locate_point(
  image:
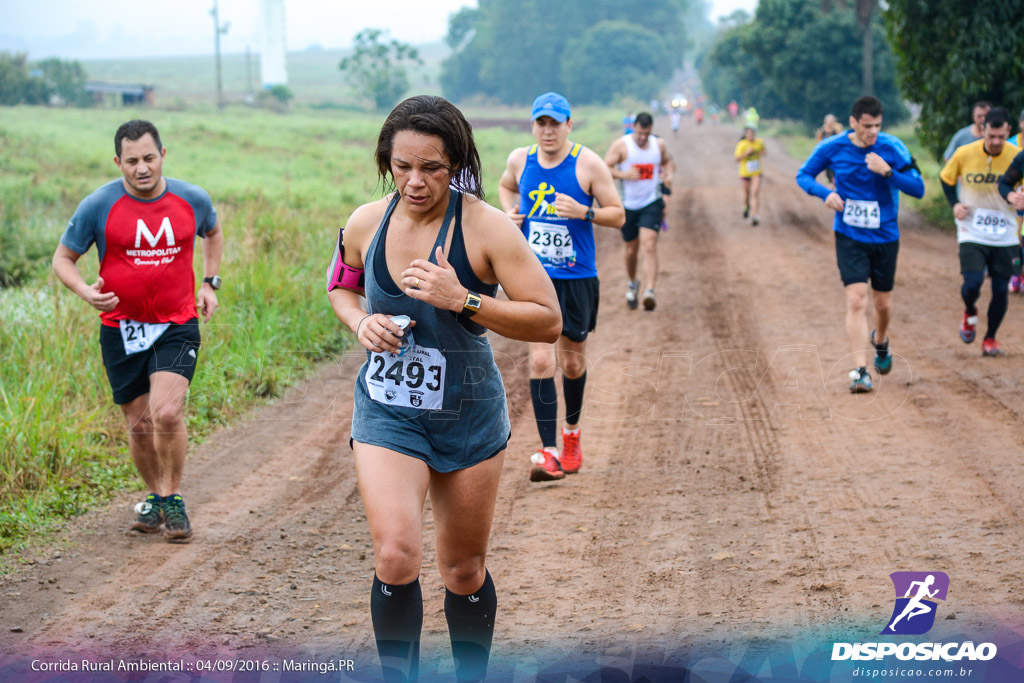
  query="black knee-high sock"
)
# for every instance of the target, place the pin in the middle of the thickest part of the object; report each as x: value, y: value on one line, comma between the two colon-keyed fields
x: 397, y: 614
x: 997, y: 307
x: 572, y: 389
x: 971, y: 290
x: 545, y: 409
x: 471, y: 627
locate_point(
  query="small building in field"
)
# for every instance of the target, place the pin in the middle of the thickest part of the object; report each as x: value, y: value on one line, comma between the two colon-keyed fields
x: 120, y: 94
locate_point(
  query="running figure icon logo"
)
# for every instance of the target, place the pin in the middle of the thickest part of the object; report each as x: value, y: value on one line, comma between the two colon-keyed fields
x: 916, y: 596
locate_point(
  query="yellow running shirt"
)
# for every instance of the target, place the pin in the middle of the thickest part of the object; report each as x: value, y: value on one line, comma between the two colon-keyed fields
x: 750, y: 166
x: 990, y: 220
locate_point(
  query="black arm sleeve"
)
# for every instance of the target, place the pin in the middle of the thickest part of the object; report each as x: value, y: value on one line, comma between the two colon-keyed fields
x: 951, y: 195
x: 1013, y: 175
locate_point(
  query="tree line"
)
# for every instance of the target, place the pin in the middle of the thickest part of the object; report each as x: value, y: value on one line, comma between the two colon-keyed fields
x: 49, y: 81
x: 592, y: 51
x: 801, y: 59
x: 949, y: 56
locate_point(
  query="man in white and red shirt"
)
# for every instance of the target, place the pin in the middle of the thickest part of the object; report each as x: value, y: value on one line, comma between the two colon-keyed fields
x: 144, y: 227
x: 643, y: 164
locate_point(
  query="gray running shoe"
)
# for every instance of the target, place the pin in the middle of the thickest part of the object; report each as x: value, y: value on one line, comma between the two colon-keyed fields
x: 649, y: 300
x: 150, y: 514
x: 632, y: 294
x: 176, y: 524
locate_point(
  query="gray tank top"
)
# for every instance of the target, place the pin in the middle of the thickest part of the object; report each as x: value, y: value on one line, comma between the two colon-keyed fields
x: 443, y: 400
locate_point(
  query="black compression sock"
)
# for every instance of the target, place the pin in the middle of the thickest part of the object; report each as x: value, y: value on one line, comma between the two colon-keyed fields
x: 997, y: 307
x: 971, y: 290
x: 573, y: 391
x: 471, y: 627
x: 397, y: 615
x: 545, y: 409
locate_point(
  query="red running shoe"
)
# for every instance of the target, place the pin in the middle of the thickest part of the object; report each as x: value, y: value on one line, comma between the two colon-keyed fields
x: 572, y: 454
x: 545, y: 467
x: 990, y: 347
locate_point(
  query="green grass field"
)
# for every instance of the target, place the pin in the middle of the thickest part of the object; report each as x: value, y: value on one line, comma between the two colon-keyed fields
x: 282, y: 184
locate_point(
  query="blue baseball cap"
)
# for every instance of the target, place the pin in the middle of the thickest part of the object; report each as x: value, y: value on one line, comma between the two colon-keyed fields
x: 550, y: 104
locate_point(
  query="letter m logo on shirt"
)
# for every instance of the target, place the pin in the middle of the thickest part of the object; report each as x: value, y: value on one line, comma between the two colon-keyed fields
x: 142, y: 230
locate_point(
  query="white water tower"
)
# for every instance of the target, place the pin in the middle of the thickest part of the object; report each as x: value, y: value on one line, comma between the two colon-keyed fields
x: 273, y: 52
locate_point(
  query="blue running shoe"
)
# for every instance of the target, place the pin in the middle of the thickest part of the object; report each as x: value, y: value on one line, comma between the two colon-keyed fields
x: 883, y: 359
x: 860, y: 381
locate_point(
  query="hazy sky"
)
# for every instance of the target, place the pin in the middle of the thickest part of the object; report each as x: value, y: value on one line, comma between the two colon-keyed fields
x: 85, y: 29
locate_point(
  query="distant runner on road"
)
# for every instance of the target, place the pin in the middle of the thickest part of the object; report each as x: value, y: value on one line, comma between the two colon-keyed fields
x: 986, y: 226
x: 643, y: 164
x: 144, y: 227
x: 969, y: 134
x: 749, y: 152
x: 871, y: 169
x: 549, y: 189
x: 753, y: 118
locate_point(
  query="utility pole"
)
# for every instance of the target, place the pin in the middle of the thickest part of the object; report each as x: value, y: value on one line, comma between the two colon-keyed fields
x: 217, y: 30
x: 248, y: 74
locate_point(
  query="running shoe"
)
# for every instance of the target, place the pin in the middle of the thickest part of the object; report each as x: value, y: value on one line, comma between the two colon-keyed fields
x: 990, y: 347
x: 176, y: 524
x: 572, y: 455
x: 545, y: 466
x: 860, y: 381
x: 755, y: 221
x: 649, y: 300
x: 149, y: 514
x: 632, y: 294
x: 967, y: 328
x: 883, y: 359
x: 746, y: 211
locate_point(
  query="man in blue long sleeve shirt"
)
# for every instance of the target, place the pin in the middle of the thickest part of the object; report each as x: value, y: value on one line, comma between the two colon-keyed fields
x: 871, y: 168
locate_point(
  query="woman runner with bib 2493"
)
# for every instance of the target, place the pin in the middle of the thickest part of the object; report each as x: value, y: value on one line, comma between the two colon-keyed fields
x: 430, y: 413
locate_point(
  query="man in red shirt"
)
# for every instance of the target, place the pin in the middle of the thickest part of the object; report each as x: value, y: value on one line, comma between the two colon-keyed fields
x: 144, y: 227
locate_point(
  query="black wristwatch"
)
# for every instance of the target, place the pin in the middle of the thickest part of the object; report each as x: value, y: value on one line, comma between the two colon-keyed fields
x: 213, y: 281
x: 887, y: 174
x: 590, y: 215
x: 472, y: 305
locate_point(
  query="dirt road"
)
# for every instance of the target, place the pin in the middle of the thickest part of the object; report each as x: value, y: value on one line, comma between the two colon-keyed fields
x: 732, y: 487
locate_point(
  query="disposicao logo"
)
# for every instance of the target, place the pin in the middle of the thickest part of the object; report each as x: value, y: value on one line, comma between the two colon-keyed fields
x: 914, y: 614
x: 917, y: 594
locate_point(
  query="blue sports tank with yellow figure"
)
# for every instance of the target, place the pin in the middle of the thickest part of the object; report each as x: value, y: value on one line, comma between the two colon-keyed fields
x: 565, y: 246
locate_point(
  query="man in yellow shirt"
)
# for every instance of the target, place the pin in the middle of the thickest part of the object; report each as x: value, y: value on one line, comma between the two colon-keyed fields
x: 986, y: 226
x: 749, y: 152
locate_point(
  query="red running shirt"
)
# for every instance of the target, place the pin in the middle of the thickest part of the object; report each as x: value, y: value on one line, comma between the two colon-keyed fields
x: 145, y: 248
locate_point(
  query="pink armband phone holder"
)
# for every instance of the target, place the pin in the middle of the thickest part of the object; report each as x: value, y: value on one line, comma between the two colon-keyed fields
x: 342, y: 275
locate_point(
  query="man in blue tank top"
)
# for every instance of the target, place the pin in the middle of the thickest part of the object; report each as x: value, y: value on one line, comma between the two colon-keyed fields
x: 871, y: 169
x: 549, y: 189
